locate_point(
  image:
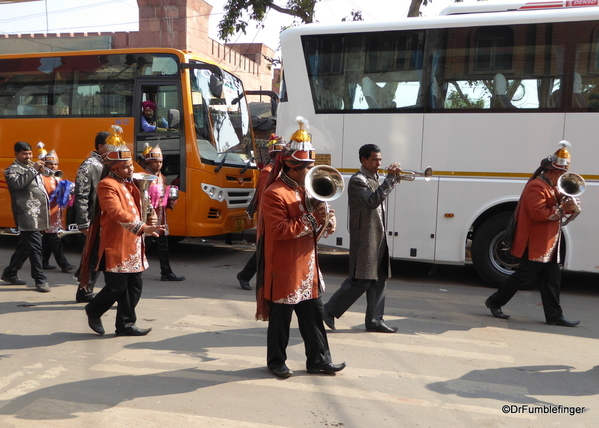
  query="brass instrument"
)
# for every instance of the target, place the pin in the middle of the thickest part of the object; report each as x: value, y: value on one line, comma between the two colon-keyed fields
x: 408, y: 175
x: 325, y: 184
x: 143, y: 181
x: 71, y: 230
x: 572, y: 185
x: 47, y: 172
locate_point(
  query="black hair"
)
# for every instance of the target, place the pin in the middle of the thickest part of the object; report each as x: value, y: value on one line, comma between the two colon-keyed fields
x: 22, y: 146
x: 101, y: 138
x: 367, y: 150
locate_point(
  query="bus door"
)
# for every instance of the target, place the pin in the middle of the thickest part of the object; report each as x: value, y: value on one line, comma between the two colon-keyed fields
x: 411, y: 222
x: 168, y: 133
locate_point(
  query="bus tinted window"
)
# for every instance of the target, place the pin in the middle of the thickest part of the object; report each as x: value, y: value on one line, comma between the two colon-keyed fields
x: 377, y: 71
x: 547, y: 67
x: 90, y: 85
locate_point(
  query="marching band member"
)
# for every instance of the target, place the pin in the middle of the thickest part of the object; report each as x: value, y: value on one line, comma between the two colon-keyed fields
x: 537, y: 240
x: 59, y: 192
x: 121, y: 252
x: 289, y: 278
x: 159, y: 196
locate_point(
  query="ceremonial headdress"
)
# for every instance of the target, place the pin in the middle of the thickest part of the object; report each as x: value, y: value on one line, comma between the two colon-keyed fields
x: 52, y: 156
x: 152, y: 153
x: 117, y: 149
x: 276, y: 144
x: 41, y: 151
x: 300, y: 147
x: 561, y: 158
x: 150, y: 104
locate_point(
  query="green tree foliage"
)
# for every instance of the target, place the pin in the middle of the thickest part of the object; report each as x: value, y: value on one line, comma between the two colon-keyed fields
x: 233, y: 22
x: 457, y: 100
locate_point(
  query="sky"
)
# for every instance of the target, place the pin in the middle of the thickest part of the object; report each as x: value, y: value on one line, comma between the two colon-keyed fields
x: 64, y: 16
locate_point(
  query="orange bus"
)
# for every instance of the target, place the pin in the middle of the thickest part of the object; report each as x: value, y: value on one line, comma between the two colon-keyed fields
x: 64, y: 99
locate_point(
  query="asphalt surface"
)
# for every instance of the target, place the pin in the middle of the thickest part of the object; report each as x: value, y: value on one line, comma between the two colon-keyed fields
x: 450, y: 364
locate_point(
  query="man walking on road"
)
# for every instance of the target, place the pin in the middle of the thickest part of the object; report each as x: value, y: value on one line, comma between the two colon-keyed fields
x: 369, y: 264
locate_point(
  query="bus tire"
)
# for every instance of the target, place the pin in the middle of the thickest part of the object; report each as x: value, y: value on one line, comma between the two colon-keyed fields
x: 492, y: 262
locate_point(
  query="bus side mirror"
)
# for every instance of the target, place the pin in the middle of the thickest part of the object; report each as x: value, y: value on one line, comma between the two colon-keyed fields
x: 174, y: 118
x: 216, y: 85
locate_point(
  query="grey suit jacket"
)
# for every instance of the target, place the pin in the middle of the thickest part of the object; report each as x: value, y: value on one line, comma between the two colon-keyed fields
x: 368, y: 241
x: 86, y: 184
x: 29, y: 200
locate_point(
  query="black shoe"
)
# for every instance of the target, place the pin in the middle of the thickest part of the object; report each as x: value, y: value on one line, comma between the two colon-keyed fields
x: 83, y: 296
x: 381, y: 327
x: 13, y: 280
x: 243, y: 283
x: 328, y: 319
x: 495, y: 310
x: 48, y: 267
x: 283, y: 372
x: 172, y: 277
x: 134, y: 331
x: 563, y: 322
x: 68, y: 268
x: 95, y: 324
x: 43, y: 287
x: 327, y: 368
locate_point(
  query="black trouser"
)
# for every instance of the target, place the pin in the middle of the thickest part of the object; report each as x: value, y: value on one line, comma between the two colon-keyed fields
x: 249, y: 270
x: 29, y: 246
x: 93, y: 262
x: 125, y: 290
x: 546, y: 275
x: 352, y: 288
x: 309, y: 317
x: 52, y: 244
x: 163, y: 256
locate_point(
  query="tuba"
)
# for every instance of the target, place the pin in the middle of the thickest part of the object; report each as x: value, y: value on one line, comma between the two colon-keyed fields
x: 324, y: 183
x: 572, y: 186
x: 143, y: 181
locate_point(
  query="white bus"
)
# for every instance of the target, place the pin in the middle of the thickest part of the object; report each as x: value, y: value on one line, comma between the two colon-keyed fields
x: 479, y: 97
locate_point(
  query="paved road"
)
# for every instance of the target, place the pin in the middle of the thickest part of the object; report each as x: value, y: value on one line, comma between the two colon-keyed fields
x: 203, y: 365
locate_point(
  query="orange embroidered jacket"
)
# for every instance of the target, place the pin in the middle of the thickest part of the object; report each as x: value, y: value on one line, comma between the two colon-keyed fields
x: 538, y: 222
x: 291, y: 271
x: 121, y: 244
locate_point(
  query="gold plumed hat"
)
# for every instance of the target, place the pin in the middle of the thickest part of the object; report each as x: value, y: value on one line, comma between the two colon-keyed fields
x: 300, y: 147
x: 41, y: 151
x: 561, y: 158
x: 276, y: 143
x: 152, y: 153
x: 117, y: 149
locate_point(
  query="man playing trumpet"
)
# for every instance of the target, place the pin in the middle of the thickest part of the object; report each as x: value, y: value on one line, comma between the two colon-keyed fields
x: 369, y: 264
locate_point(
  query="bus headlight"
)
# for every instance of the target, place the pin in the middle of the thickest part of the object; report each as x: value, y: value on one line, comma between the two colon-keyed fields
x: 214, y: 192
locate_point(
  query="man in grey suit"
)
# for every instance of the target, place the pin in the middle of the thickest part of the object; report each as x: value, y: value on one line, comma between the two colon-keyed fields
x: 30, y: 207
x: 369, y: 265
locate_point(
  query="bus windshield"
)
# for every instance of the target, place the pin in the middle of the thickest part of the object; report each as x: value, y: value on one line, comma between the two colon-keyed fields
x: 221, y: 118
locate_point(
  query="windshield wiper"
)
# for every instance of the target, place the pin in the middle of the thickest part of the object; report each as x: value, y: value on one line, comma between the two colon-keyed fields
x: 247, y: 165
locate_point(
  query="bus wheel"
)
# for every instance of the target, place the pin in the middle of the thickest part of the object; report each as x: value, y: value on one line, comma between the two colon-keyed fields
x: 492, y: 262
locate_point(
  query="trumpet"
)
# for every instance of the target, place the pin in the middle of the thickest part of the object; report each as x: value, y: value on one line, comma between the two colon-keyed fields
x: 324, y: 183
x: 572, y: 186
x: 408, y: 175
x: 47, y: 172
x: 71, y: 230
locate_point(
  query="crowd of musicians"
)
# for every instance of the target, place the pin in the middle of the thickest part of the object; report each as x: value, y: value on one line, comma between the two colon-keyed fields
x: 116, y: 215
